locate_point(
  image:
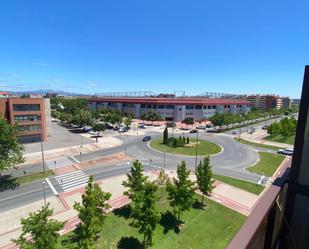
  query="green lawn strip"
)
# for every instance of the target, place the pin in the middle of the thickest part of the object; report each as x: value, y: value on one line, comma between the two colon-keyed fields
x: 248, y: 186
x: 281, y: 139
x: 212, y: 227
x: 204, y: 148
x: 265, y: 146
x: 268, y: 164
x: 33, y: 176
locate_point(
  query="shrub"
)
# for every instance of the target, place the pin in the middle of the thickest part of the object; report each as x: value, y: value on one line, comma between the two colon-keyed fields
x: 188, y: 140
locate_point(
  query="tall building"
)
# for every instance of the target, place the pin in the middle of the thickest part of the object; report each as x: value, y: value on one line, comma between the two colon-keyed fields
x: 32, y: 116
x: 170, y: 109
x: 286, y: 102
x: 266, y: 101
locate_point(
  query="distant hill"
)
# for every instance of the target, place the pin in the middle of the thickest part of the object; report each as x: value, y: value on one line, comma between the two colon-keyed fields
x: 44, y: 91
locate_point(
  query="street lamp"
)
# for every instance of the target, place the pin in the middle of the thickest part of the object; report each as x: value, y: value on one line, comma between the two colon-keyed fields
x: 196, y: 144
x: 42, y: 150
x: 43, y: 183
x: 125, y: 153
x: 150, y: 161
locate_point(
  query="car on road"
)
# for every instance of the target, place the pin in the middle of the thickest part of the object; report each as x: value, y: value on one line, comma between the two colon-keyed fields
x: 193, y: 131
x: 147, y: 138
x: 235, y: 132
x: 288, y: 152
x: 141, y: 126
x: 264, y: 127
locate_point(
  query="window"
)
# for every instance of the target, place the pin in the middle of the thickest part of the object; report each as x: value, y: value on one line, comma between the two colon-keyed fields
x: 170, y: 107
x: 213, y: 107
x: 26, y: 118
x: 161, y: 106
x: 143, y: 106
x: 149, y: 106
x: 36, y: 127
x: 198, y: 107
x: 154, y: 106
x: 189, y: 107
x: 26, y: 107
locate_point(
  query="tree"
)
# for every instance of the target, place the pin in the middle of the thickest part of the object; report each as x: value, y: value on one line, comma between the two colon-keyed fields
x: 10, y: 149
x: 181, y: 193
x: 91, y: 213
x: 43, y: 231
x: 188, y: 140
x: 145, y: 214
x: 204, y: 180
x: 98, y: 127
x: 162, y: 179
x: 135, y: 181
x: 165, y: 136
x: 188, y: 121
x: 127, y: 121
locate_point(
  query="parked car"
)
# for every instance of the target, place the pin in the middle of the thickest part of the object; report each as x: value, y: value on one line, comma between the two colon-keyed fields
x: 122, y: 129
x: 109, y: 126
x: 288, y: 152
x: 87, y: 128
x: 235, y: 132
x: 193, y: 131
x: 147, y: 138
x: 209, y: 125
x: 201, y: 127
x: 141, y: 126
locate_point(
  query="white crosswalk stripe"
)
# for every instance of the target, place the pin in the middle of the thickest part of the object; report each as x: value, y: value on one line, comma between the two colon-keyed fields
x: 72, y: 180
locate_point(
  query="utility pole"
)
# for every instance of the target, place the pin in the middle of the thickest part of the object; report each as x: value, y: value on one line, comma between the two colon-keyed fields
x: 196, y: 144
x: 42, y: 150
x: 43, y: 183
x: 164, y: 161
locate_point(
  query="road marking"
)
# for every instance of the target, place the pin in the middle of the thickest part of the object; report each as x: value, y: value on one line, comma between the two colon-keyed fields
x: 51, y: 187
x: 74, y: 159
x: 72, y: 180
x: 11, y: 197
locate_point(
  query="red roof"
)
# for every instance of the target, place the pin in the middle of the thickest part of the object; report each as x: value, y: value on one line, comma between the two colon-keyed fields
x: 4, y: 93
x: 173, y: 101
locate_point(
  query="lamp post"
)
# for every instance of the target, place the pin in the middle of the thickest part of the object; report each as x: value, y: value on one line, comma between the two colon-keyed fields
x: 42, y: 150
x: 150, y: 161
x: 164, y: 161
x: 125, y: 153
x: 43, y: 183
x: 196, y: 144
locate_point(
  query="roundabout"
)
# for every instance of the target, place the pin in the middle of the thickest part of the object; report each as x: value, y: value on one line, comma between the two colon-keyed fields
x: 201, y: 148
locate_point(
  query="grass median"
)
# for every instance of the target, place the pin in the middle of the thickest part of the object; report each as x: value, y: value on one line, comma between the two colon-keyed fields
x: 264, y: 146
x: 268, y: 164
x: 33, y: 176
x: 212, y: 227
x: 203, y: 148
x: 248, y: 186
x: 281, y: 139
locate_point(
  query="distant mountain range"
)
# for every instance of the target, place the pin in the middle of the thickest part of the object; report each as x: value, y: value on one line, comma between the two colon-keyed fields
x: 44, y: 91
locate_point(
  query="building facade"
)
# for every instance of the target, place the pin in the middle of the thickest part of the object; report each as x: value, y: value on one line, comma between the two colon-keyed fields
x: 170, y: 109
x: 268, y: 101
x: 30, y: 115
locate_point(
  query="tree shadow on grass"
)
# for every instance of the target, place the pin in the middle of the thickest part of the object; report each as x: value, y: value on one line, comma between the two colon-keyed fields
x: 129, y: 243
x: 8, y: 182
x: 124, y: 211
x: 198, y: 205
x: 169, y: 222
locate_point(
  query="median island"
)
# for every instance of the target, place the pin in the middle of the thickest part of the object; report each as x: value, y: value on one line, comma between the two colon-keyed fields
x: 184, y: 146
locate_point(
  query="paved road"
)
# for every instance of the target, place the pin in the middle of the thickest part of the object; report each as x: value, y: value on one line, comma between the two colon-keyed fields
x: 231, y: 162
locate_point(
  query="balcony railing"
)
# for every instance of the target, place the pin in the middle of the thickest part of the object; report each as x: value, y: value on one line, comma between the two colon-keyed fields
x: 262, y: 228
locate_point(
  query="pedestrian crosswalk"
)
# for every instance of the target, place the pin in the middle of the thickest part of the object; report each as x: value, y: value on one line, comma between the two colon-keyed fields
x: 72, y: 180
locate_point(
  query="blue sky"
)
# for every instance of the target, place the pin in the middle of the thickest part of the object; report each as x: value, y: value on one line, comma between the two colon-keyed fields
x: 249, y: 46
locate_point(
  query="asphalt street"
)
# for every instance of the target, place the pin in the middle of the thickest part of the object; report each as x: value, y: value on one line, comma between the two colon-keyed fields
x: 231, y: 162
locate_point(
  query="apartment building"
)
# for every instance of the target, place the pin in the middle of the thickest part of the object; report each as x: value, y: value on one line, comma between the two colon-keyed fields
x: 170, y: 109
x: 268, y: 101
x: 32, y: 116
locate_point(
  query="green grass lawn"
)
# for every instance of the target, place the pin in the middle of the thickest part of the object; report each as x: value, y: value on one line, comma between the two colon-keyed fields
x: 212, y: 227
x: 248, y: 186
x: 265, y: 146
x: 204, y: 148
x: 281, y: 139
x: 33, y: 176
x: 268, y: 164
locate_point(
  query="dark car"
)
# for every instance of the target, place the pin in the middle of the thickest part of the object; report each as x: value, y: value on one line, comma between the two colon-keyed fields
x: 193, y: 131
x: 264, y: 127
x: 147, y: 138
x: 287, y: 152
